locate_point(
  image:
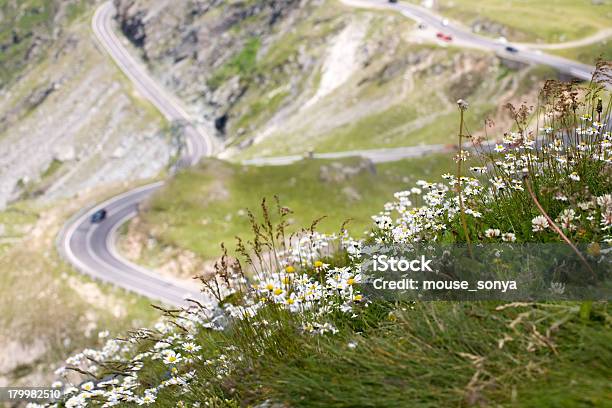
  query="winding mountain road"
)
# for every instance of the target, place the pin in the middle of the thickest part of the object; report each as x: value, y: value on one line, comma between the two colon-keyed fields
x: 90, y: 247
x: 464, y: 37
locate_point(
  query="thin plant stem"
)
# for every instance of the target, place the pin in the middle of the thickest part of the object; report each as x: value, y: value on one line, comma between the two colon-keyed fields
x: 555, y: 227
x: 459, y: 187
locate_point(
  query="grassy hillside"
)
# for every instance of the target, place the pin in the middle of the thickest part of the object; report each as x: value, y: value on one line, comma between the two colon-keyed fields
x: 428, y: 354
x: 393, y: 89
x: 411, y: 107
x: 548, y: 21
x: 203, y: 207
x: 307, y: 327
x: 588, y: 54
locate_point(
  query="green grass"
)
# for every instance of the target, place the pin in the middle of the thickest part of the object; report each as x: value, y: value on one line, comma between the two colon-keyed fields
x: 426, y: 354
x: 588, y: 54
x: 203, y: 207
x: 403, y: 124
x: 16, y: 218
x: 261, y: 108
x: 548, y: 21
x: 583, y: 364
x: 359, y: 134
x: 53, y: 167
x: 388, y: 131
x: 76, y: 9
x: 15, y: 222
x: 241, y: 64
x: 423, y: 358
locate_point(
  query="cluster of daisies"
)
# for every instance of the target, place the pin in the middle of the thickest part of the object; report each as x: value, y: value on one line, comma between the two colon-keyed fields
x: 427, y: 212
x: 303, y: 285
x: 595, y: 213
x: 118, y: 364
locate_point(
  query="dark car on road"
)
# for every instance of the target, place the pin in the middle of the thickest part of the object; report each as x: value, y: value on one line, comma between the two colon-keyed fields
x: 98, y: 216
x: 511, y: 49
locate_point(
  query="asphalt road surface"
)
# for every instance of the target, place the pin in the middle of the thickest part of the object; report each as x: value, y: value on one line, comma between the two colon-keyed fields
x: 375, y: 155
x: 90, y: 247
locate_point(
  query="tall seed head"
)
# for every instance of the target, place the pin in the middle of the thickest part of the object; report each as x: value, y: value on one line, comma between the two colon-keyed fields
x: 463, y: 105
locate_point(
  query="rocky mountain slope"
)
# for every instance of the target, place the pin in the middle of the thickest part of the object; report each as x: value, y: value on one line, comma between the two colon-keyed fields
x: 281, y: 77
x: 206, y: 50
x: 69, y: 121
x: 28, y: 28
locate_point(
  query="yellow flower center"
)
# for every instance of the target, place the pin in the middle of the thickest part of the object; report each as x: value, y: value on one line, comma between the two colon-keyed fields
x: 278, y: 291
x: 269, y: 286
x: 318, y: 264
x: 350, y: 281
x: 289, y: 269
